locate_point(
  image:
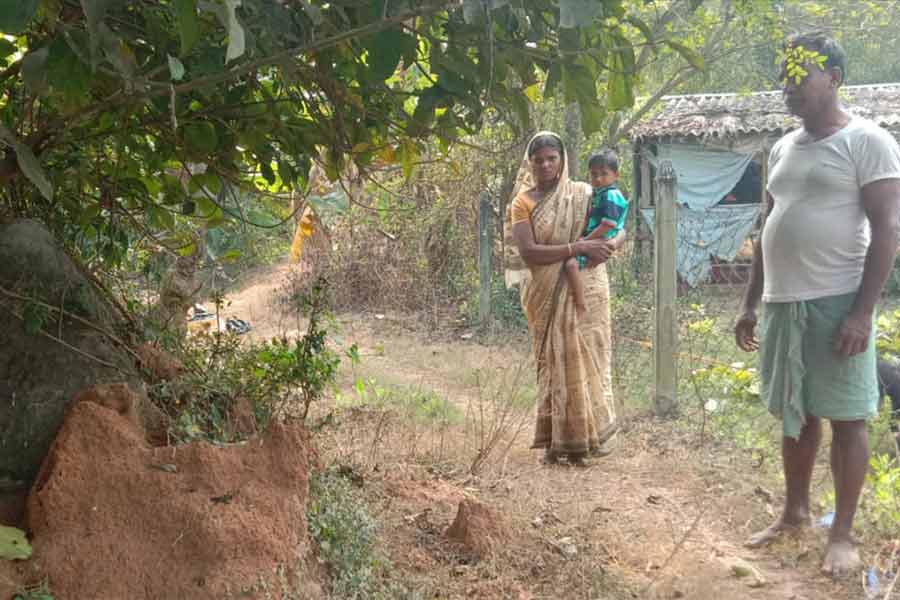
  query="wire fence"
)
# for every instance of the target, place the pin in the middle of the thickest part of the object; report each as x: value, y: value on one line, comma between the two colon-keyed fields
x: 717, y: 383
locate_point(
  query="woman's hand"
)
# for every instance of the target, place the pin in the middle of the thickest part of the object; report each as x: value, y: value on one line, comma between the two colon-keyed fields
x: 596, y: 251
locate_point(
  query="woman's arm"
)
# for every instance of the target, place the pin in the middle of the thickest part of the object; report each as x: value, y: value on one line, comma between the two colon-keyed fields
x: 547, y: 254
x: 538, y: 254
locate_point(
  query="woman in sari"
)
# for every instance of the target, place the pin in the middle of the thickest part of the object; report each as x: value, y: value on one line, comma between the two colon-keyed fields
x: 547, y: 215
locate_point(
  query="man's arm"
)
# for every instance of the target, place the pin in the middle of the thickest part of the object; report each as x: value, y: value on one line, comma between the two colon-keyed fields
x: 746, y: 323
x: 881, y: 201
x: 753, y: 293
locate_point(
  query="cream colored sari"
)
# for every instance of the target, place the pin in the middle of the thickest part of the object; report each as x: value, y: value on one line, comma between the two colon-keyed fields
x: 576, y: 412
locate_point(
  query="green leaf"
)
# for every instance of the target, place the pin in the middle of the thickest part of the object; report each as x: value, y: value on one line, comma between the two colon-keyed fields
x: 643, y: 28
x: 160, y: 217
x: 210, y: 182
x: 188, y: 24
x: 409, y: 154
x: 385, y: 51
x: 66, y: 73
x: 176, y: 68
x: 16, y: 14
x: 28, y: 163
x: 593, y: 116
x: 117, y: 52
x: 187, y: 249
x: 554, y: 76
x: 579, y: 83
x: 578, y: 13
x: 94, y: 12
x: 533, y: 92
x: 90, y: 212
x: 231, y: 256
x: 13, y: 544
x: 621, y: 91
x: 201, y: 138
x: 689, y: 54
x: 522, y: 108
x: 458, y: 61
x: 7, y: 48
x: 423, y: 116
x: 34, y: 70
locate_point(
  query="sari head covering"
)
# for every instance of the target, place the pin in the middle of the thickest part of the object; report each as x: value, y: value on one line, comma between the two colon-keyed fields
x: 516, y: 272
x: 576, y: 412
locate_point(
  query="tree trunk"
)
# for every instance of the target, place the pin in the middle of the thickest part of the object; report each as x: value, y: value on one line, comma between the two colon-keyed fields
x: 573, y: 139
x: 180, y: 287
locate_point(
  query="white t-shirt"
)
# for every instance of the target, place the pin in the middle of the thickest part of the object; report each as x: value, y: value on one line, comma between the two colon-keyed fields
x: 815, y: 240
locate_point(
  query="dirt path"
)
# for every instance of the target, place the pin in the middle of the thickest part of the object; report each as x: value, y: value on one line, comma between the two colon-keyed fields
x: 660, y: 518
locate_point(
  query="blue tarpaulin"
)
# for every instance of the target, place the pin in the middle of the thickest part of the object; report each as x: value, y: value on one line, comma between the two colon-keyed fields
x: 719, y: 231
x: 704, y: 175
x: 705, y: 228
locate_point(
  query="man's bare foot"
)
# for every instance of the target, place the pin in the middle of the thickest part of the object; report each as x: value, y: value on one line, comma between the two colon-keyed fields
x: 841, y: 558
x: 776, y: 529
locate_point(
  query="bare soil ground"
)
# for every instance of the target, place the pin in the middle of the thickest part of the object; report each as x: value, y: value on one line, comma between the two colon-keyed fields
x: 662, y: 517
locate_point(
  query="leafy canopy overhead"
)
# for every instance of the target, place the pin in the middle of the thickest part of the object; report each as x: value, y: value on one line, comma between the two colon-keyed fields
x: 106, y: 104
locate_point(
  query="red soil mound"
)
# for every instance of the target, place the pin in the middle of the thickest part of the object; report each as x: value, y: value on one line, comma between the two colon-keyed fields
x: 112, y: 517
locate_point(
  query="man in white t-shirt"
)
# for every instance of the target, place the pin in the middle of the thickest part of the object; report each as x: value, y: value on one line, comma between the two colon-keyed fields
x: 827, y: 247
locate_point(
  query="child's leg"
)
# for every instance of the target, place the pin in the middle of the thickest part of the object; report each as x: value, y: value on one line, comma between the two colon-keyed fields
x: 573, y: 277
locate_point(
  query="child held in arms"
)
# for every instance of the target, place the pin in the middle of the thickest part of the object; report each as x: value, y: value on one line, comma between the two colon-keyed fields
x: 606, y: 216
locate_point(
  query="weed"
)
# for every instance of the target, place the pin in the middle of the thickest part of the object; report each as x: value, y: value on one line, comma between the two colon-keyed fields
x: 881, y: 496
x: 225, y: 375
x: 497, y: 415
x: 345, y: 533
x: 40, y: 591
x: 423, y: 406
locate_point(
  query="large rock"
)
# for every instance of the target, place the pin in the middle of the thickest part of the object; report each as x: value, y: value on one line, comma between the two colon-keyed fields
x: 112, y: 517
x: 39, y: 376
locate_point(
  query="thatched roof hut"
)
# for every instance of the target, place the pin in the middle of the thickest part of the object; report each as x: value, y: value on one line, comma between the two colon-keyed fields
x: 727, y: 118
x: 719, y: 144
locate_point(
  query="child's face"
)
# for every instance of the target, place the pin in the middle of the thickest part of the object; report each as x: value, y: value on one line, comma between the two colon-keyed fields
x: 603, y: 176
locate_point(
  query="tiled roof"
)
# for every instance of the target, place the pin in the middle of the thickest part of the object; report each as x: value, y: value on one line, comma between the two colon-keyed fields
x: 738, y: 115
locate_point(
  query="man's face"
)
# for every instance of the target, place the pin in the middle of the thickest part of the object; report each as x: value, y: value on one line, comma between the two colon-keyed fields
x: 813, y: 92
x: 603, y: 176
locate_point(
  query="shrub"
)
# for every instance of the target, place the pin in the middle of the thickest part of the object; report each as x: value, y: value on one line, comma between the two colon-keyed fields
x: 345, y: 533
x: 279, y: 376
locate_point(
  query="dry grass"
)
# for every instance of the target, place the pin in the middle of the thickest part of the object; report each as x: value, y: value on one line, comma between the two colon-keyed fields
x: 655, y: 520
x: 441, y: 418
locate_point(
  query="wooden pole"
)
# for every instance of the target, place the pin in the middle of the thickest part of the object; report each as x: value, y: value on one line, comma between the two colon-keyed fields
x: 485, y: 258
x: 644, y: 200
x: 665, y: 342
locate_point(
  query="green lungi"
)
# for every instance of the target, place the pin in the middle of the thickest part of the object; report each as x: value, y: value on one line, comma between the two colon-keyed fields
x: 801, y: 373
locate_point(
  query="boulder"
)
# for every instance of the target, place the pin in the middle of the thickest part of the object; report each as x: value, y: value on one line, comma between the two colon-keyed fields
x: 40, y: 375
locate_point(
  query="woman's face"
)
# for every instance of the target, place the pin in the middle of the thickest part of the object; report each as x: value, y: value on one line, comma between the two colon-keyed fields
x: 545, y: 164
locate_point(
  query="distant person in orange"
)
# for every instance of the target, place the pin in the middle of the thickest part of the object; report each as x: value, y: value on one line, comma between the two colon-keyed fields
x: 548, y: 213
